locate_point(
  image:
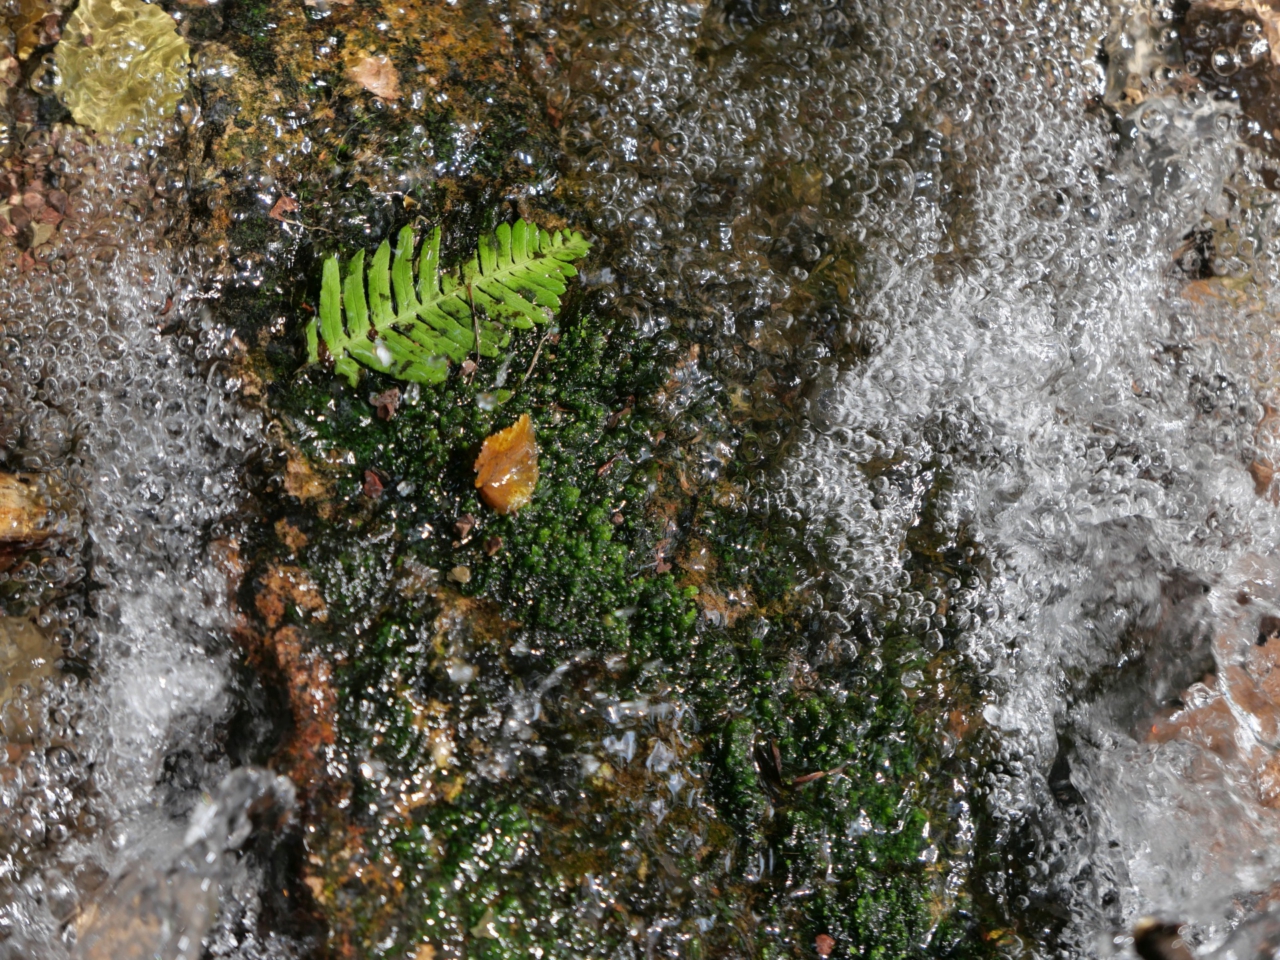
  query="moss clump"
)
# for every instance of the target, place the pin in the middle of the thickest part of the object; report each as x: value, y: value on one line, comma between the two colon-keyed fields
x: 635, y: 576
x: 640, y: 591
x: 122, y: 67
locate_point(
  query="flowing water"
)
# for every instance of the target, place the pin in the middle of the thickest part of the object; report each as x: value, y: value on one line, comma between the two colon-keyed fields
x: 1022, y: 265
x: 1009, y: 338
x: 115, y: 394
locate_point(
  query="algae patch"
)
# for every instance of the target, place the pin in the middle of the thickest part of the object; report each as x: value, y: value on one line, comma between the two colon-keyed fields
x: 122, y: 67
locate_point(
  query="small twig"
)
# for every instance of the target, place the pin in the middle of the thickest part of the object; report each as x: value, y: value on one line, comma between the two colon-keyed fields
x: 810, y: 777
x: 302, y: 226
x: 536, y: 354
x: 608, y: 465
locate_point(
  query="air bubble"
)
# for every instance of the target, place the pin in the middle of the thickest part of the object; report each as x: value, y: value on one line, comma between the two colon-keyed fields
x: 1224, y: 62
x: 123, y: 434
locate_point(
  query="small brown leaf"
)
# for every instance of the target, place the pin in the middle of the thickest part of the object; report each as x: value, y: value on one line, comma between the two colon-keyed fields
x: 283, y: 206
x: 372, y: 485
x: 463, y: 527
x: 824, y: 945
x: 378, y: 75
x: 387, y: 403
x: 493, y: 546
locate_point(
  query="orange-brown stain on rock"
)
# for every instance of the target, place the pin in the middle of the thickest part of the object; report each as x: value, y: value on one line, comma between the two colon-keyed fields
x: 285, y: 586
x: 507, y: 468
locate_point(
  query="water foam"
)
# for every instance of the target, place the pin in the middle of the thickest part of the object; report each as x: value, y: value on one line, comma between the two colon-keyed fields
x: 987, y: 257
x: 114, y: 393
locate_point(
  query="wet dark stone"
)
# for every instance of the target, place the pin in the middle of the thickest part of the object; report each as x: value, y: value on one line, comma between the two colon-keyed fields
x: 1231, y: 51
x: 1154, y: 940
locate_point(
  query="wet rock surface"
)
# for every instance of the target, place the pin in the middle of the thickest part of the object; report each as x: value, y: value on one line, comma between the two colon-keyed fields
x: 900, y: 451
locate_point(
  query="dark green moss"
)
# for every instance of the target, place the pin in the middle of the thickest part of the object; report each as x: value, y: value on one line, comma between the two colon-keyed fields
x: 577, y: 571
x: 809, y: 789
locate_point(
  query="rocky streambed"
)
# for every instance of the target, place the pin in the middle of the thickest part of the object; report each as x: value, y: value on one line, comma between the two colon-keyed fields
x: 746, y: 479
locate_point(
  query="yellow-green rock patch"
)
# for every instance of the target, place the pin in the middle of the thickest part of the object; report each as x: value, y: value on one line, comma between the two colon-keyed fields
x: 122, y: 67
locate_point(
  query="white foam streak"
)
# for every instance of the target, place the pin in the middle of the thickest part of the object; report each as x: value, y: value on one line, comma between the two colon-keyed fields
x: 141, y: 447
x: 1063, y: 410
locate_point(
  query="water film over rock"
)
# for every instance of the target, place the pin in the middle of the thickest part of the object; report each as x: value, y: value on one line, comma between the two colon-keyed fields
x: 603, y: 480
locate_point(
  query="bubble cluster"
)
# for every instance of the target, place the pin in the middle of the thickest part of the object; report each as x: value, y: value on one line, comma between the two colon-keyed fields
x: 116, y: 398
x: 1021, y: 300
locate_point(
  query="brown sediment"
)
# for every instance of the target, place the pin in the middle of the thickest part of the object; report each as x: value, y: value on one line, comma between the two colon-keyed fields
x: 282, y: 587
x: 1234, y: 46
x: 302, y: 480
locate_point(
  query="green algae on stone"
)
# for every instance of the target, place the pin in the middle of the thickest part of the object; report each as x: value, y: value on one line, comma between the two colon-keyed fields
x: 122, y: 67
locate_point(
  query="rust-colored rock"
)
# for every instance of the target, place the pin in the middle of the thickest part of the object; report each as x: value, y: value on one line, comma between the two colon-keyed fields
x: 507, y: 468
x: 22, y: 516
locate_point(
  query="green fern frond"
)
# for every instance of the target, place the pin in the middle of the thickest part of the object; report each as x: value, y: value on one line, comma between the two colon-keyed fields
x: 411, y: 326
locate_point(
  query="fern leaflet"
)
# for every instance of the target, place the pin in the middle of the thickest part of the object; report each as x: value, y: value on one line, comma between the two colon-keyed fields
x: 389, y: 320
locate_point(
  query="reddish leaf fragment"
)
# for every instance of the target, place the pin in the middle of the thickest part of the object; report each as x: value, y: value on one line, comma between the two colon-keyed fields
x: 378, y: 75
x: 660, y: 553
x: 372, y: 485
x: 387, y: 403
x: 283, y: 207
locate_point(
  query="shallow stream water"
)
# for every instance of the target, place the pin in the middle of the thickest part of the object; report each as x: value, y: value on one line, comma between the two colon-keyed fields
x: 1021, y: 267
x: 1004, y: 342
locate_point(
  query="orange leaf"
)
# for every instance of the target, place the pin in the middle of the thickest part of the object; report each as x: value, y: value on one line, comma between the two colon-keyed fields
x: 378, y: 75
x: 507, y: 468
